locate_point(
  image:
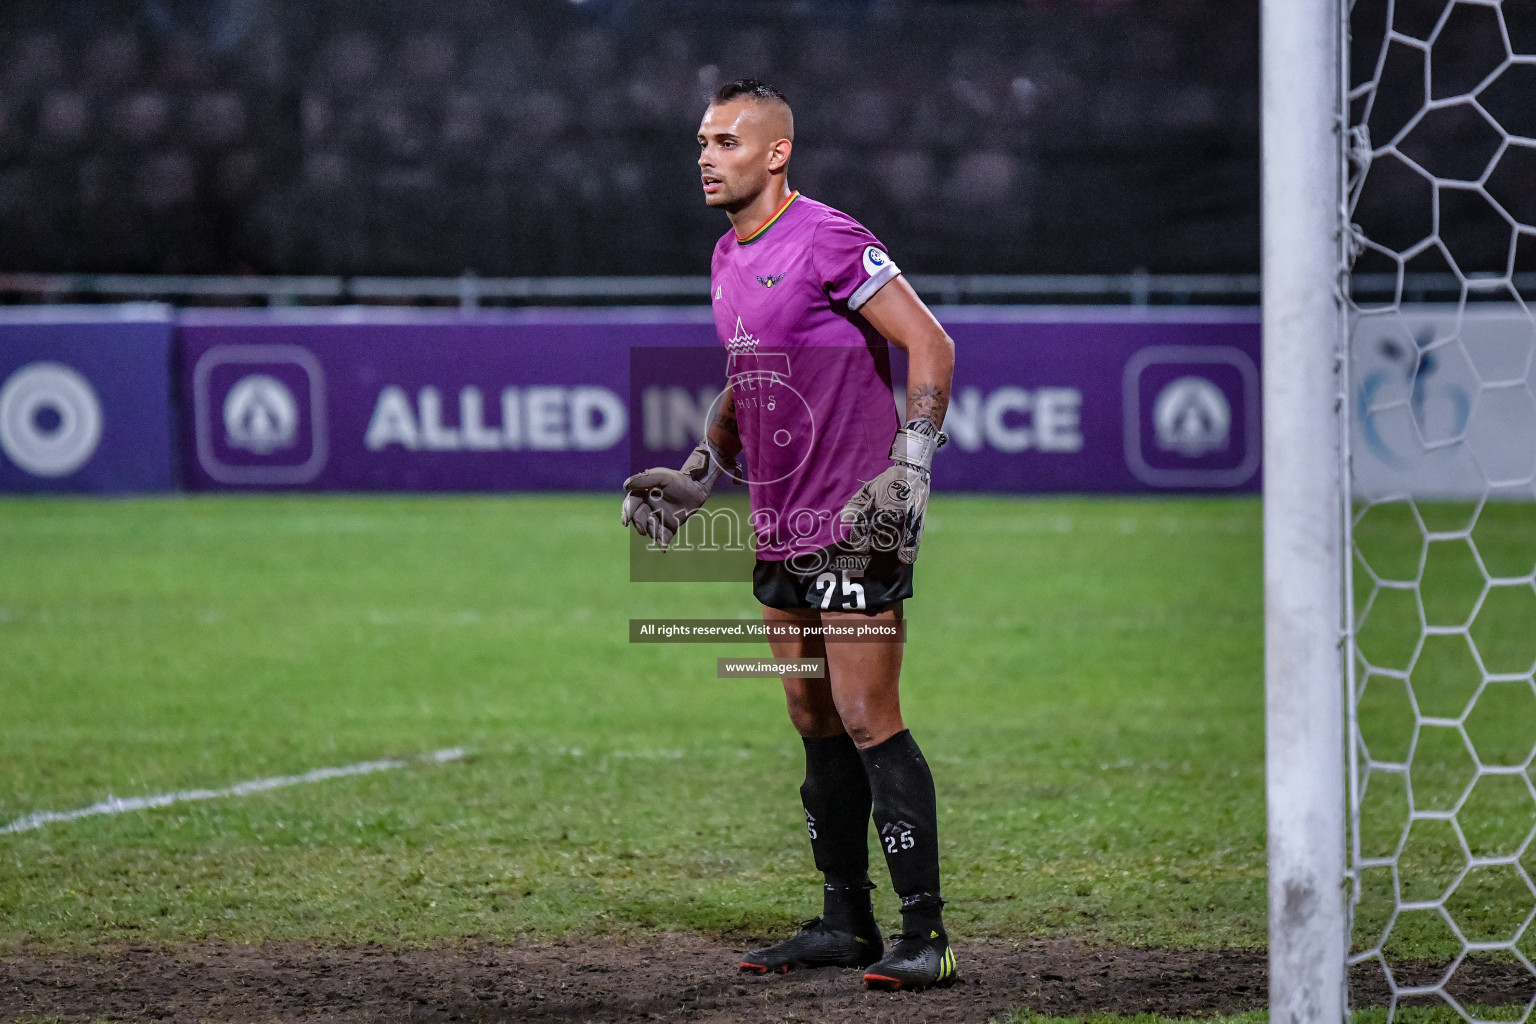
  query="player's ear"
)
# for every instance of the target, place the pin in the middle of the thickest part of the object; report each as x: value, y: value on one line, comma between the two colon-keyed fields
x: 778, y: 154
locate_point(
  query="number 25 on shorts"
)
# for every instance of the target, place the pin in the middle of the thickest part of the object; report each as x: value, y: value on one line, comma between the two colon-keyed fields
x: 827, y: 585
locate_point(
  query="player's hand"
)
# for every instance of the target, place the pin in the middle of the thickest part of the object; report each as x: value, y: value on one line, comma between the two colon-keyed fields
x: 658, y: 501
x: 887, y: 513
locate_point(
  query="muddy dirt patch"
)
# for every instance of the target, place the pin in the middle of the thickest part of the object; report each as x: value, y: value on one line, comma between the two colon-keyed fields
x: 668, y: 977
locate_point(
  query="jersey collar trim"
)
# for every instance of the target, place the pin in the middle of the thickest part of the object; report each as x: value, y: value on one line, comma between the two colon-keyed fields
x: 754, y: 236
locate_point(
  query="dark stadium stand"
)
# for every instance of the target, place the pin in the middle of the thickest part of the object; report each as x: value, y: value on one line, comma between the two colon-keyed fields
x: 393, y: 138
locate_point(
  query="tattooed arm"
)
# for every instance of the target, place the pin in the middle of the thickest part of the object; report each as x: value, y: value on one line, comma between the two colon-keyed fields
x: 887, y: 512
x: 897, y: 313
x: 722, y: 432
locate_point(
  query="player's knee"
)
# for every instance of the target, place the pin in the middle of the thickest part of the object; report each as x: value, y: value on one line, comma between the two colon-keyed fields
x: 872, y: 733
x: 862, y: 735
x: 814, y: 722
x: 814, y: 727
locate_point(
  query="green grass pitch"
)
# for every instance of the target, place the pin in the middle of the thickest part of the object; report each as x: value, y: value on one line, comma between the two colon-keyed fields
x: 1084, y: 675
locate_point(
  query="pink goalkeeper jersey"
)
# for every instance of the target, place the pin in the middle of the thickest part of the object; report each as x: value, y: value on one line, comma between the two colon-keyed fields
x: 810, y: 376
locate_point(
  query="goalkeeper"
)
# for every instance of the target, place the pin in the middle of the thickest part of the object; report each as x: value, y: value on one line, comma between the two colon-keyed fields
x: 805, y: 299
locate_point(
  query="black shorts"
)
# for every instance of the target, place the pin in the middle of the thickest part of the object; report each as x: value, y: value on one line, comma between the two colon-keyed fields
x: 833, y: 579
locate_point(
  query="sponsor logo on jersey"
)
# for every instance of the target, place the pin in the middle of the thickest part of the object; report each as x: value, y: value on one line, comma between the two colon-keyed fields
x: 718, y: 292
x: 769, y: 282
x: 741, y: 341
x: 875, y: 260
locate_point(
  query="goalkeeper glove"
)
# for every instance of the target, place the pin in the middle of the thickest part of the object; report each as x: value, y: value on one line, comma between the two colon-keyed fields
x: 659, y: 500
x: 888, y: 511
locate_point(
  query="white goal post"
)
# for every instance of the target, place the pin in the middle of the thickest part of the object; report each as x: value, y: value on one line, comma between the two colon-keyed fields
x: 1400, y: 505
x: 1304, y: 507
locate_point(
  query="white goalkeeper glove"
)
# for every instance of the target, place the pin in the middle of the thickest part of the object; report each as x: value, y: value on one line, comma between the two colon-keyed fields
x: 888, y: 511
x: 660, y: 500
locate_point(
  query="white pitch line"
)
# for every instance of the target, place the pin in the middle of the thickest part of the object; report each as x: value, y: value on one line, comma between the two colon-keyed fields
x: 117, y: 805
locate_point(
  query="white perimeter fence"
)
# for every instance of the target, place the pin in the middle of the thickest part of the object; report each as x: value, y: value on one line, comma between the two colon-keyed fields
x: 469, y: 291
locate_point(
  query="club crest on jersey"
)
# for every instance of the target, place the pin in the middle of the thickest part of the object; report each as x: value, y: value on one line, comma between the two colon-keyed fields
x: 875, y: 259
x: 769, y: 282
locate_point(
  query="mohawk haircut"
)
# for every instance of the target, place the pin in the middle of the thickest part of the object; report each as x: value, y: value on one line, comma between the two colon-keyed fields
x: 750, y: 88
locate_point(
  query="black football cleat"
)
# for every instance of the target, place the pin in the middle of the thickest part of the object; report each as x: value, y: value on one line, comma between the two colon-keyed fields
x: 915, y: 962
x: 817, y: 946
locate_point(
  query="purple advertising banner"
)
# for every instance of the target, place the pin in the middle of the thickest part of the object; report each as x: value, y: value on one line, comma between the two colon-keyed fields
x: 404, y: 400
x: 85, y: 400
x: 1129, y: 400
x: 1045, y: 400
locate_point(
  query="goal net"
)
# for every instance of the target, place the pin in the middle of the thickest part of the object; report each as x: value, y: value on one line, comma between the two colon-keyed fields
x: 1440, y: 203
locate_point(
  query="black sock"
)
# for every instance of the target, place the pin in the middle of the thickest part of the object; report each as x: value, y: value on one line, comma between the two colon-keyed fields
x: 837, y: 802
x: 847, y: 908
x: 906, y: 823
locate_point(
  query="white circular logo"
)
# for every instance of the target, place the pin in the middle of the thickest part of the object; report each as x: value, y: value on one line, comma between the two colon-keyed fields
x: 780, y: 414
x: 874, y: 259
x: 50, y: 419
x: 260, y: 415
x: 1192, y: 417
